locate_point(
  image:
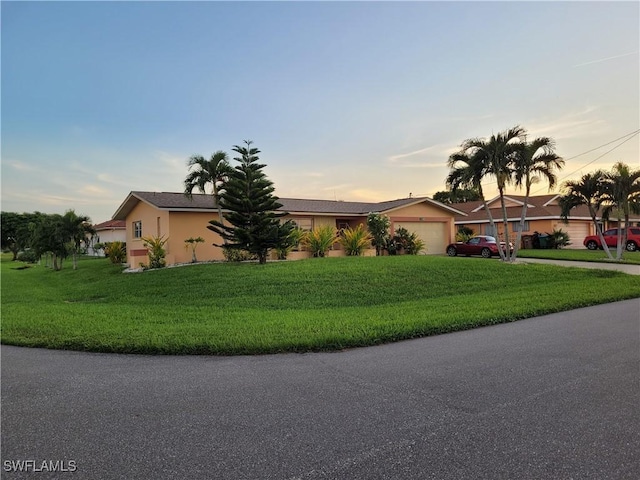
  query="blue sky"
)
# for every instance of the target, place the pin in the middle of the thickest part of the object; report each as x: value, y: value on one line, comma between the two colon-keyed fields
x: 346, y: 100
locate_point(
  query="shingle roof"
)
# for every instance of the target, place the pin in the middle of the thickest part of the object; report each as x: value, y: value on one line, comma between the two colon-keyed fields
x: 110, y: 225
x: 540, y: 206
x: 178, y: 201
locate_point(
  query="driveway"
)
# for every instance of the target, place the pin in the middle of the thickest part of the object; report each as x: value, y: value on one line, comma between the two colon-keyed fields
x: 620, y: 267
x: 553, y: 397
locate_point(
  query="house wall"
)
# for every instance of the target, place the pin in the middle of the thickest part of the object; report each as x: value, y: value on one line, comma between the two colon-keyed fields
x: 540, y: 226
x: 422, y: 219
x: 185, y: 225
x: 108, y: 235
x: 154, y: 222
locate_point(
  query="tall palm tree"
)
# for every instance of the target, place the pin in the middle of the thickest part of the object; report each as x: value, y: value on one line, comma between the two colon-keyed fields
x: 622, y: 194
x: 588, y: 191
x: 75, y: 230
x: 497, y: 155
x: 535, y: 160
x: 467, y: 172
x: 205, y: 172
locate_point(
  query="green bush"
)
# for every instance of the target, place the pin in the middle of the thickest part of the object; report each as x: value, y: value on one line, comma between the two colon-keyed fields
x: 408, y: 242
x: 559, y: 238
x: 156, y: 251
x: 320, y: 240
x: 291, y: 242
x: 28, y: 256
x: 237, y: 255
x: 355, y: 240
x: 116, y: 251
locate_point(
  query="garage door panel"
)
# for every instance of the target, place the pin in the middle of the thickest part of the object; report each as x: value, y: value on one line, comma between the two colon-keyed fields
x: 577, y: 232
x: 433, y: 234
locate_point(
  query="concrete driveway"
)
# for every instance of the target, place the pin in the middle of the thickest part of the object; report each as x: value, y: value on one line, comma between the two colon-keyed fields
x: 620, y: 267
x: 554, y: 397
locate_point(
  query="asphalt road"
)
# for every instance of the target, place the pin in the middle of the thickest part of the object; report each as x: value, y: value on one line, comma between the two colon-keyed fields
x: 554, y: 397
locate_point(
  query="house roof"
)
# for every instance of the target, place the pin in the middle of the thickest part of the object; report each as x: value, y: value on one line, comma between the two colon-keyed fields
x: 200, y: 202
x: 539, y: 207
x: 111, y: 225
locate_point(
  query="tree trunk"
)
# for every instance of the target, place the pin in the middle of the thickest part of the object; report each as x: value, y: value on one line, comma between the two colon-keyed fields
x: 492, y: 223
x: 505, y: 256
x: 523, y: 216
x: 216, y: 196
x: 605, y: 247
x: 75, y: 260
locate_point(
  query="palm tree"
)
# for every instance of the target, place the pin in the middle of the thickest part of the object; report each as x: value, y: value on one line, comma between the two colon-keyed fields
x: 76, y: 228
x: 587, y: 191
x: 535, y: 160
x: 622, y: 193
x: 467, y: 172
x: 495, y: 157
x: 204, y: 172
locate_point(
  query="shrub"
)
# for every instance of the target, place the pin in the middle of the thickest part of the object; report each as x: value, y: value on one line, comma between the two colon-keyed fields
x: 408, y: 242
x: 156, y: 251
x: 320, y: 240
x: 379, y: 227
x: 355, y: 240
x: 237, y: 255
x: 464, y: 234
x: 559, y: 238
x: 116, y: 251
x: 291, y: 242
x: 28, y: 256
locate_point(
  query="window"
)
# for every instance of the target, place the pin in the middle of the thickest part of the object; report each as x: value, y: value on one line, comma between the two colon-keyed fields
x: 490, y: 231
x: 304, y: 223
x: 137, y: 229
x: 516, y: 226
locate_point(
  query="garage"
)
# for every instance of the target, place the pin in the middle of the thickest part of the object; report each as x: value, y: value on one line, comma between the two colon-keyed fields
x: 576, y: 230
x: 435, y: 235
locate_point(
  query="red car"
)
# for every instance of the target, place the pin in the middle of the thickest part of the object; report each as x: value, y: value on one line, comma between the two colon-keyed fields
x: 592, y: 242
x: 480, y: 245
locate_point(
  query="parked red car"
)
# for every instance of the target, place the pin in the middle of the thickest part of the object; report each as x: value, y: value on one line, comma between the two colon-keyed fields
x: 592, y: 242
x: 480, y: 245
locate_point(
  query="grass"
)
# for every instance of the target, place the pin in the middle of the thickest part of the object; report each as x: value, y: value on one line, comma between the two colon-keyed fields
x: 307, y: 305
x: 581, y: 255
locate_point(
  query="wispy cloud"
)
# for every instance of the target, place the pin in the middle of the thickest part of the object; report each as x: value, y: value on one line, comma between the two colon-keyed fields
x: 434, y: 156
x: 606, y: 59
x: 21, y: 166
x: 584, y: 122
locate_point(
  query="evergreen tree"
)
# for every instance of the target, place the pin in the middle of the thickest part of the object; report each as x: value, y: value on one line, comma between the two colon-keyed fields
x: 254, y: 223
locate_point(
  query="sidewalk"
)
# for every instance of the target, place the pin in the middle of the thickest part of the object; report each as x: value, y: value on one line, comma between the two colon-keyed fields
x: 625, y: 268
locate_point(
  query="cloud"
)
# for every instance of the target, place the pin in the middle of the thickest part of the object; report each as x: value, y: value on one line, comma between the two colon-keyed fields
x: 21, y: 166
x: 434, y: 156
x: 93, y: 190
x: 573, y: 124
x: 600, y: 60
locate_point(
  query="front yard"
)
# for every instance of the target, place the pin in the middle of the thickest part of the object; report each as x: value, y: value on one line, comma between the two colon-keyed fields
x: 580, y: 255
x: 298, y: 306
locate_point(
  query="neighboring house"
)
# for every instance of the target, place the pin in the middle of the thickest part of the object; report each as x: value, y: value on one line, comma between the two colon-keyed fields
x: 109, y: 231
x: 543, y: 216
x: 178, y: 218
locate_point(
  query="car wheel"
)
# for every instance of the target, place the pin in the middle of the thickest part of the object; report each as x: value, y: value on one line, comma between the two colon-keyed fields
x: 592, y: 245
x: 486, y: 253
x: 452, y: 252
x: 632, y: 246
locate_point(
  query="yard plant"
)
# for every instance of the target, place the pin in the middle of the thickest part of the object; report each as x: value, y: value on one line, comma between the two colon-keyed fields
x: 307, y: 305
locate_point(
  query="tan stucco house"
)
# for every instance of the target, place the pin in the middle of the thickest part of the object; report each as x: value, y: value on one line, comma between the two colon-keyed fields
x: 178, y: 218
x: 543, y: 216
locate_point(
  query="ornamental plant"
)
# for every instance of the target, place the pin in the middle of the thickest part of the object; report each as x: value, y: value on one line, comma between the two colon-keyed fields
x: 156, y: 251
x: 193, y: 243
x: 355, y: 240
x: 320, y: 240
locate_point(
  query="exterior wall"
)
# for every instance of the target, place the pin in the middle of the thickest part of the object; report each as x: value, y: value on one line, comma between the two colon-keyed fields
x: 540, y: 226
x: 185, y: 225
x: 154, y: 222
x: 108, y: 235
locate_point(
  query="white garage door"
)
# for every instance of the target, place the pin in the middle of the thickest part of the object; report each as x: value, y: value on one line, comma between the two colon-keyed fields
x: 576, y: 230
x: 433, y: 234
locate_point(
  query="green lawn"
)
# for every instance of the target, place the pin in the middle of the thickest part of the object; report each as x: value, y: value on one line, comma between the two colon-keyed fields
x: 581, y: 255
x: 316, y: 304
